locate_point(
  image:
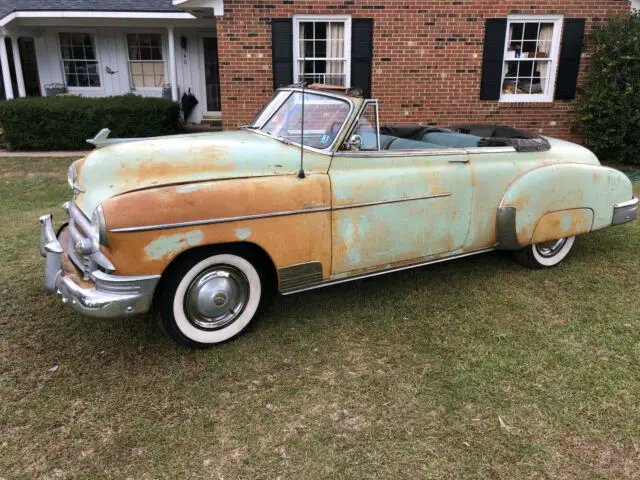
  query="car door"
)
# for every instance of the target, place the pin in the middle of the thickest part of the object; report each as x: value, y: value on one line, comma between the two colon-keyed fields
x: 396, y: 206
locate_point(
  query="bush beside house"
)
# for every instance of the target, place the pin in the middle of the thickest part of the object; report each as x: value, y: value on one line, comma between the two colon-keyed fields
x: 609, y: 113
x: 65, y: 123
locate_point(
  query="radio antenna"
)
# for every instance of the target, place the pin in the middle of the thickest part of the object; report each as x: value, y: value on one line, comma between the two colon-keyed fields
x: 301, y: 172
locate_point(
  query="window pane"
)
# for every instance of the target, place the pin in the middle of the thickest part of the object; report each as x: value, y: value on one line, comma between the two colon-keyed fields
x: 368, y: 128
x: 306, y: 30
x: 90, y: 52
x: 136, y: 68
x: 147, y: 69
x: 531, y: 30
x: 137, y: 80
x: 321, y: 30
x: 516, y: 31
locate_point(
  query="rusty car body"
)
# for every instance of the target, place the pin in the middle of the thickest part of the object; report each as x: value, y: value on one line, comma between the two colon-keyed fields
x: 294, y: 205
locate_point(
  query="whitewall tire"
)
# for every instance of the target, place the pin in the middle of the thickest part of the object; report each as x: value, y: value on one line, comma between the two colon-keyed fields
x: 207, y: 300
x: 546, y: 254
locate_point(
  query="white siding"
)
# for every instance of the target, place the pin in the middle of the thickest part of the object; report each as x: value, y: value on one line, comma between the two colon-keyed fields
x: 111, y: 48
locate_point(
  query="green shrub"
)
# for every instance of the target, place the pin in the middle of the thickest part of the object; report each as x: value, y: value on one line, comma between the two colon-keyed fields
x: 65, y: 123
x: 609, y: 112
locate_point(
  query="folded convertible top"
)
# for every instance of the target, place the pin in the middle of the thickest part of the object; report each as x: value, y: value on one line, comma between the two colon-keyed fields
x: 501, y: 136
x: 492, y: 135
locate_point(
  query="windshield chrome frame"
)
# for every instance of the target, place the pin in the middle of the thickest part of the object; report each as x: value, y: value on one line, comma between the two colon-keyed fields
x: 329, y: 149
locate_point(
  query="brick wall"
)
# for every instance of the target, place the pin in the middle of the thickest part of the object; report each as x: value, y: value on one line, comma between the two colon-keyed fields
x: 427, y: 58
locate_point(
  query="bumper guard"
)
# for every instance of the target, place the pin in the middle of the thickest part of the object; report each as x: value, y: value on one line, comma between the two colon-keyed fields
x: 109, y: 296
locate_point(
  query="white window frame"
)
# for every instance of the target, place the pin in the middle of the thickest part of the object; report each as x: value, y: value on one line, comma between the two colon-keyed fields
x: 94, y: 37
x: 554, y: 58
x: 163, y: 51
x: 346, y: 19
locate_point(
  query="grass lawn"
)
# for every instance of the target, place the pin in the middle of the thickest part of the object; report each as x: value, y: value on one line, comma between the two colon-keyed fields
x: 477, y: 368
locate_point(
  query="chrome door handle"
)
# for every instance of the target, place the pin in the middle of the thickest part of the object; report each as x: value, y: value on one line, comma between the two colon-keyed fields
x: 459, y: 160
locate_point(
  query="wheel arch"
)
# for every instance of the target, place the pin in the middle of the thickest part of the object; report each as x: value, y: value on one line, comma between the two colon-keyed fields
x: 248, y: 250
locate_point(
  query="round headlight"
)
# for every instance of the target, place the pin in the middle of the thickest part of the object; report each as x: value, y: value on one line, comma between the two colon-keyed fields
x: 72, y: 175
x: 99, y: 226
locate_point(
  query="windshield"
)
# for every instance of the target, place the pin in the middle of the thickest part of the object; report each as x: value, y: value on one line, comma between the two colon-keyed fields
x: 323, y: 118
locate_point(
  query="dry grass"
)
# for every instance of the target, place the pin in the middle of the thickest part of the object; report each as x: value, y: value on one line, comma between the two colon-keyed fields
x: 472, y: 369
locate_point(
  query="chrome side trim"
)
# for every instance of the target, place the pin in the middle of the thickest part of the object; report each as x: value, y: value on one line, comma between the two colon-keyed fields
x: 422, y: 263
x: 430, y: 152
x: 401, y: 153
x: 384, y: 202
x: 212, y: 221
x: 478, y: 150
x: 300, y: 275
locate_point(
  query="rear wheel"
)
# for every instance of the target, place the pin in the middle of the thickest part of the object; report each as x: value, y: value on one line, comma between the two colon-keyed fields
x: 206, y: 300
x: 545, y: 254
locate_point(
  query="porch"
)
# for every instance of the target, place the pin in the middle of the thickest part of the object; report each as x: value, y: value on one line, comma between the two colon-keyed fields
x: 100, y: 54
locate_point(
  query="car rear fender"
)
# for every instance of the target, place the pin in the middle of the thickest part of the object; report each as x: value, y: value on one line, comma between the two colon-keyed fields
x: 559, y: 200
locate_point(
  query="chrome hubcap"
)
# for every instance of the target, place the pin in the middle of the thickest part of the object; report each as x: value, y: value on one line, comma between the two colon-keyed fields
x: 217, y: 297
x: 551, y: 248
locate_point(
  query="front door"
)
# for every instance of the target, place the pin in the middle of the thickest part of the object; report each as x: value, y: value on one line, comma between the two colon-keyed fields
x: 396, y: 206
x: 211, y: 74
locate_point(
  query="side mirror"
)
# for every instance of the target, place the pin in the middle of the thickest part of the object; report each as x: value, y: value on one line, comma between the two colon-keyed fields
x: 355, y: 142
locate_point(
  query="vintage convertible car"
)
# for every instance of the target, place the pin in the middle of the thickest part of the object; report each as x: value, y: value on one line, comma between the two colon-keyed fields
x: 203, y: 227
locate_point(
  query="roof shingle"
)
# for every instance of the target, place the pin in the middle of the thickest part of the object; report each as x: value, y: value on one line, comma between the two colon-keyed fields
x: 9, y: 6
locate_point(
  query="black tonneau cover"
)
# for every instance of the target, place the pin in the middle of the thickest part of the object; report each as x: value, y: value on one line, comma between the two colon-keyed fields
x: 492, y: 135
x: 501, y: 136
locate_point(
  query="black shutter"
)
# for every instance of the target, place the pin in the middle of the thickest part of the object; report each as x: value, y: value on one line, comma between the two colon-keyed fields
x: 569, y: 65
x: 361, y: 54
x: 282, y: 51
x: 495, y: 34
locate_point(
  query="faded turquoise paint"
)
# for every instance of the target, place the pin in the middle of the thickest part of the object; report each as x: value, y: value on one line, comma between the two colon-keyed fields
x: 565, y: 223
x: 169, y: 244
x: 566, y: 186
x: 493, y: 173
x: 126, y: 167
x: 243, y: 233
x: 378, y: 235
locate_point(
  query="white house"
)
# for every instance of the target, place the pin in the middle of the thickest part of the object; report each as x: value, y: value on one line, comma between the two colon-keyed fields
x: 112, y: 47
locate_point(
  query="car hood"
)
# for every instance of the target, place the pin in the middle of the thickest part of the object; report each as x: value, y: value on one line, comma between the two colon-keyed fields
x: 136, y: 165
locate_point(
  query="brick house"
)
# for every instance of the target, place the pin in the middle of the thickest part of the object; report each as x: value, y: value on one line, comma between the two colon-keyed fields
x: 442, y: 62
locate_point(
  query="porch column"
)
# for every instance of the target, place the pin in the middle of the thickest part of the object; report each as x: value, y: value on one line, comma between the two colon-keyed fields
x: 22, y: 92
x: 173, y: 77
x: 6, y: 72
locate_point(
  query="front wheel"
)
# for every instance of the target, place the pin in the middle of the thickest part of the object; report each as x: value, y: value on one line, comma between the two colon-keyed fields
x: 545, y: 254
x: 206, y: 301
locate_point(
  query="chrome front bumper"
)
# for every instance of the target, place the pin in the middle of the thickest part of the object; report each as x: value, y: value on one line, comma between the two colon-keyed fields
x: 625, y: 212
x: 108, y: 296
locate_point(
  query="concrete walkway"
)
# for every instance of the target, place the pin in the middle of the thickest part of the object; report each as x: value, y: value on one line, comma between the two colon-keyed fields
x: 76, y: 153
